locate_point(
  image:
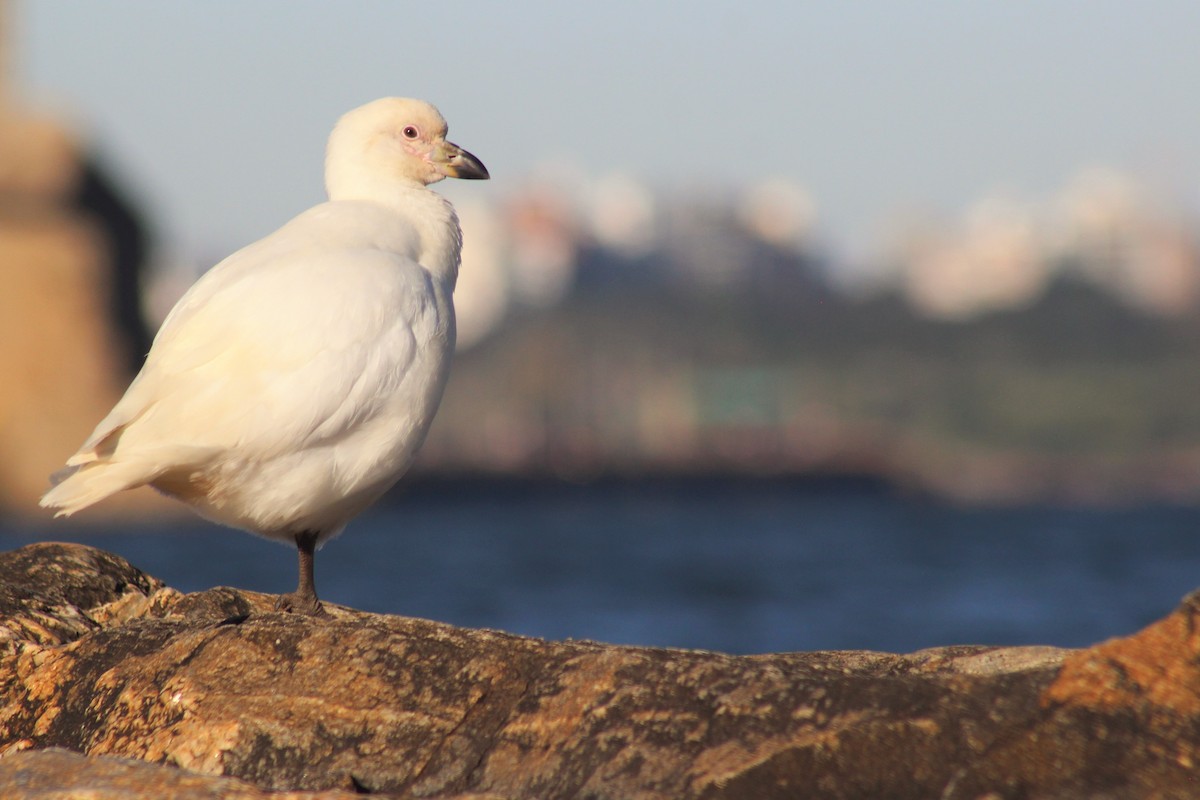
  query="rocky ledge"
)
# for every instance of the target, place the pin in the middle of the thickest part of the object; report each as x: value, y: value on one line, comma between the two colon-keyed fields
x: 113, y: 685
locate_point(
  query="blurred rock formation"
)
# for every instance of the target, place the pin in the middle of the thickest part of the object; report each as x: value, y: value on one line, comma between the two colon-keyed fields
x: 71, y: 330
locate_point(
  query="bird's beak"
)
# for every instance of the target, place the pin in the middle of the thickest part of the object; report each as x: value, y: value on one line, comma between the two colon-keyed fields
x: 458, y: 163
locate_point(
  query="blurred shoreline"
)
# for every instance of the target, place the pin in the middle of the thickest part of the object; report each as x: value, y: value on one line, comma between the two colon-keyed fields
x: 1031, y: 350
x: 998, y: 481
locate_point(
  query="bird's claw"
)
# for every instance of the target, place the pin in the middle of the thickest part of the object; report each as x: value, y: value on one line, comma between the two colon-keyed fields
x: 297, y: 603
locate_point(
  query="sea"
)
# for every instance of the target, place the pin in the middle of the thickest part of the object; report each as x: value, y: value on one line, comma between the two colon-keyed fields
x: 732, y: 565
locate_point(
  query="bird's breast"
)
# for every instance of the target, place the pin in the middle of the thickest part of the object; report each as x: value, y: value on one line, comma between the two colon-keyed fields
x: 333, y: 434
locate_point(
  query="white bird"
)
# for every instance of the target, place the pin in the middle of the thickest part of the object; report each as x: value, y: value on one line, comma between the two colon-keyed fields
x: 292, y: 385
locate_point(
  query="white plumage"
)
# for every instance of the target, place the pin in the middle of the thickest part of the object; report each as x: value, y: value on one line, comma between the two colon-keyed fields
x: 294, y: 382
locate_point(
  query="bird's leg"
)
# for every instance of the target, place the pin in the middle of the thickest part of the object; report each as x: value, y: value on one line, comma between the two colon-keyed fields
x: 304, y: 599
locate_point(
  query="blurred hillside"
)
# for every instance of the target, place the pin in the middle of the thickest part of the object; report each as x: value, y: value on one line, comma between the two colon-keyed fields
x: 1029, y: 350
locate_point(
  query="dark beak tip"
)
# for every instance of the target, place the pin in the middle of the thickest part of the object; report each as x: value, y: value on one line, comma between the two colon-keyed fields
x: 468, y: 167
x: 473, y: 169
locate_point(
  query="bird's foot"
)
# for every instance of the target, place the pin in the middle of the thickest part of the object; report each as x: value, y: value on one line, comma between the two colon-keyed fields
x: 300, y: 603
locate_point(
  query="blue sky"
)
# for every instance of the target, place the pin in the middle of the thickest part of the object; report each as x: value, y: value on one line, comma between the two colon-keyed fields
x: 218, y: 111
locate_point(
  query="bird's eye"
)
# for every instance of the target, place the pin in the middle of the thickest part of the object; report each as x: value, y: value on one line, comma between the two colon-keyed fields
x: 411, y: 133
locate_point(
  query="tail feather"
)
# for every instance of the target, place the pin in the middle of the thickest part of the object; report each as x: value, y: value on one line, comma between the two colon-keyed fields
x: 78, y: 487
x: 60, y: 475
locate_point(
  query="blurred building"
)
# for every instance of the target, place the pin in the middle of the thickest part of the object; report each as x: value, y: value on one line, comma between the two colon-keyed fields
x: 1109, y: 230
x: 1101, y: 229
x: 779, y: 212
x: 993, y: 261
x: 518, y: 254
x: 622, y: 215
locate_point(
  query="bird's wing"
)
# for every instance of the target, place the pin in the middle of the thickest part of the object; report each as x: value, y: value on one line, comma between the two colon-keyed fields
x: 275, y: 349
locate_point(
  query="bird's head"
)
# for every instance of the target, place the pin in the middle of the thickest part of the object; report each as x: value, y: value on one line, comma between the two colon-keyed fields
x: 394, y: 139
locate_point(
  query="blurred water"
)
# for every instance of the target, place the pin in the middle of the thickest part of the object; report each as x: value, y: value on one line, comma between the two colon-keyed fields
x: 735, y: 566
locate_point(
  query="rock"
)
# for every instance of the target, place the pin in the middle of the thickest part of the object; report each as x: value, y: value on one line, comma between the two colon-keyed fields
x: 39, y: 160
x: 70, y: 254
x: 53, y: 773
x: 216, y: 693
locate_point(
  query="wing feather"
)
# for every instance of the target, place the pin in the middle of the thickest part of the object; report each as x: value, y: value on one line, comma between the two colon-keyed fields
x: 277, y: 347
